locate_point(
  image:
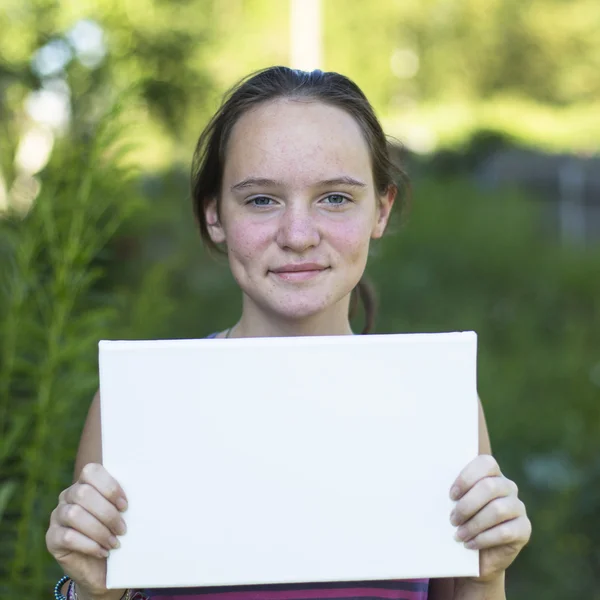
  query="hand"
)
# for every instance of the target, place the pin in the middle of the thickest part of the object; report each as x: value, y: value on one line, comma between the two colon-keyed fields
x: 83, y: 529
x: 490, y: 516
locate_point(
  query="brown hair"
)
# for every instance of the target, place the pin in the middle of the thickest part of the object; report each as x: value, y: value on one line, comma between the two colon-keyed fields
x: 282, y: 82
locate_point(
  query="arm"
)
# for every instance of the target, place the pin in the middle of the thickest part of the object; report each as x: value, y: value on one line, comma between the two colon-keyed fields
x: 454, y: 588
x: 90, y: 444
x: 87, y: 520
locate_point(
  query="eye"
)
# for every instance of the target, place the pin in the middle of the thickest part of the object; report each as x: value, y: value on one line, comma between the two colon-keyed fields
x: 260, y: 201
x: 336, y: 200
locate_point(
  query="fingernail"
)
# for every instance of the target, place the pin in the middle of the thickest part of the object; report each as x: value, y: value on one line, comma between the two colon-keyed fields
x: 454, y: 492
x: 121, y: 504
x: 121, y: 528
x: 471, y: 545
x: 114, y: 542
x: 103, y: 553
x: 459, y: 534
x: 453, y: 519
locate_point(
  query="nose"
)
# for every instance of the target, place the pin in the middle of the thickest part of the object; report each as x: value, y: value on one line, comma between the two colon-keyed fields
x: 297, y: 229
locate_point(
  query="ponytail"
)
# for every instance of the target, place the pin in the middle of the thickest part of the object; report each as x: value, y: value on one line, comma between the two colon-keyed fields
x: 365, y: 292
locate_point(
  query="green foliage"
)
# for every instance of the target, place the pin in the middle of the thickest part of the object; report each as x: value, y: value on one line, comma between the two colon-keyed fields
x: 439, y: 69
x: 473, y: 261
x: 464, y: 260
x: 153, y: 48
x: 546, y: 50
x: 77, y: 267
x: 56, y: 303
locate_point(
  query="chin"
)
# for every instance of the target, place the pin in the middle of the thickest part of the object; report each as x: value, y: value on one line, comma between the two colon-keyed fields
x: 299, y: 315
x: 299, y: 303
x: 300, y: 308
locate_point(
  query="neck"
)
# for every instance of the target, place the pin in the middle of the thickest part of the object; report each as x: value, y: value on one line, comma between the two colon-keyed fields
x: 256, y: 322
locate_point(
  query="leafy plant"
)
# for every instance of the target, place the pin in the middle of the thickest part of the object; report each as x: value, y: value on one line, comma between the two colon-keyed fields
x: 469, y: 259
x: 56, y: 304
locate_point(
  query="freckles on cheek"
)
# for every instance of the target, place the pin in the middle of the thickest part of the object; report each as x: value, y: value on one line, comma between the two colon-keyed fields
x: 244, y: 243
x: 351, y: 237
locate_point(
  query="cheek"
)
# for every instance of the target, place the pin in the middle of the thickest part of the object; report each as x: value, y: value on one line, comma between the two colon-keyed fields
x: 246, y: 241
x: 351, y: 239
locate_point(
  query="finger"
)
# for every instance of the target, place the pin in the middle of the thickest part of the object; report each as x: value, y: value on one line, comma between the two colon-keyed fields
x: 97, y: 505
x: 496, y: 512
x: 515, y: 533
x: 483, y: 466
x: 482, y: 493
x: 76, y: 517
x: 97, y: 476
x: 63, y: 540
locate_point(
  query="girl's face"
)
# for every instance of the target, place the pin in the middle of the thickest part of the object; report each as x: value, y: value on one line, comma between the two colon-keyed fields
x: 298, y: 207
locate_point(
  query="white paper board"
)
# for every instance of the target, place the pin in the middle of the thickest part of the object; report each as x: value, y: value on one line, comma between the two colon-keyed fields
x: 278, y: 460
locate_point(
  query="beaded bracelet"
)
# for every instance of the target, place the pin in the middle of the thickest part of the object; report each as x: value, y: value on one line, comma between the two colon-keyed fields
x: 72, y: 592
x: 58, y: 595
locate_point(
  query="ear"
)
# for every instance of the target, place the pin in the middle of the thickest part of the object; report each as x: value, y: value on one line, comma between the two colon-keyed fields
x: 384, y: 209
x: 215, y: 229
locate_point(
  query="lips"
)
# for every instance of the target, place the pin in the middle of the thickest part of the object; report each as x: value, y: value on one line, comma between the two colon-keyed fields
x: 299, y: 272
x: 299, y: 268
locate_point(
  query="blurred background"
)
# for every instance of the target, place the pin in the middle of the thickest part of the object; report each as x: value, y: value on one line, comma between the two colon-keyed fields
x: 496, y: 108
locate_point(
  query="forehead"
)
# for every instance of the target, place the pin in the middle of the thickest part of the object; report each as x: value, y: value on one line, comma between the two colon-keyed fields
x: 296, y: 141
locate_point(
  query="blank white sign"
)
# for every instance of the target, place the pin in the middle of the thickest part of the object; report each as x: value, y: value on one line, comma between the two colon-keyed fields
x: 276, y: 460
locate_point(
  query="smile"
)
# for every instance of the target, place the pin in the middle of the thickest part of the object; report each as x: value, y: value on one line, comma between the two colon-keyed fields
x: 299, y: 272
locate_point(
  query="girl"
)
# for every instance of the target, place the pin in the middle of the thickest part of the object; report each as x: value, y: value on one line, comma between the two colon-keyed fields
x: 292, y: 177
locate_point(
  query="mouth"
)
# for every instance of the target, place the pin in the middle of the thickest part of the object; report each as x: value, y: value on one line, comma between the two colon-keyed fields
x: 302, y: 272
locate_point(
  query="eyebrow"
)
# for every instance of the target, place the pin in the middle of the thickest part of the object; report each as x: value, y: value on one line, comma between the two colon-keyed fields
x: 272, y: 183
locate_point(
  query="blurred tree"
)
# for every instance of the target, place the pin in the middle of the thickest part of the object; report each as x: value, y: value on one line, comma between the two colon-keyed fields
x: 71, y: 275
x: 55, y: 303
x: 406, y: 51
x: 74, y: 58
x: 466, y: 261
x: 63, y: 66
